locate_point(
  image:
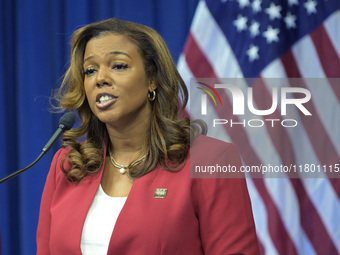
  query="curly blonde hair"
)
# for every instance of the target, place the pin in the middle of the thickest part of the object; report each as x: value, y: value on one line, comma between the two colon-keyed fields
x: 168, y: 138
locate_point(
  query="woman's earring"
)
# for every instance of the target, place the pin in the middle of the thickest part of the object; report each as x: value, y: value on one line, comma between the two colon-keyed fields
x: 152, y: 95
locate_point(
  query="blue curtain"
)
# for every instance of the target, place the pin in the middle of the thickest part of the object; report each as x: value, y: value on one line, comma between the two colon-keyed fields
x: 34, y: 52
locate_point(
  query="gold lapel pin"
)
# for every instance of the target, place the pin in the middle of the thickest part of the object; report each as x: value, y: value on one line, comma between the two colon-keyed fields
x: 160, y: 193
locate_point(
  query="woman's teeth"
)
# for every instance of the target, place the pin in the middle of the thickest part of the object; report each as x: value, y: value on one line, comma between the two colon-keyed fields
x: 104, y: 98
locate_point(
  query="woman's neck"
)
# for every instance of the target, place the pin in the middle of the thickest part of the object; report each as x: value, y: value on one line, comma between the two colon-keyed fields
x: 127, y: 143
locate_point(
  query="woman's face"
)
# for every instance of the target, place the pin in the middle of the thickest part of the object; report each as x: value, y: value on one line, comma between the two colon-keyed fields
x: 115, y: 82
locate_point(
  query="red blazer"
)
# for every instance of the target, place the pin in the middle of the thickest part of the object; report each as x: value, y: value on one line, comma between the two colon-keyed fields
x: 197, y: 216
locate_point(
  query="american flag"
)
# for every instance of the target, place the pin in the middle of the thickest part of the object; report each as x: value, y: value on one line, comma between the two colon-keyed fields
x: 279, y: 39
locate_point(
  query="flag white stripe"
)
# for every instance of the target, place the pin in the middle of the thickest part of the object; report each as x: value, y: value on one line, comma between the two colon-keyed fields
x: 274, y: 70
x: 186, y: 75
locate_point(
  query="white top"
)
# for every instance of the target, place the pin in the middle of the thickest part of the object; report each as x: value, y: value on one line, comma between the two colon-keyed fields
x: 99, y: 223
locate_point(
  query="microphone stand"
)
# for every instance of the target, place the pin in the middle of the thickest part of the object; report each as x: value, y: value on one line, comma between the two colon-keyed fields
x: 66, y: 122
x: 12, y: 175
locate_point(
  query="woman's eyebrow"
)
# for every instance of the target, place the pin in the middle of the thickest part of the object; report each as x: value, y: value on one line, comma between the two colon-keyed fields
x: 119, y: 52
x: 110, y: 53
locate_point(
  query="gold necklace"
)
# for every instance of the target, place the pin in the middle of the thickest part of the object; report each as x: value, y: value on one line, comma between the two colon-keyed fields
x: 122, y: 168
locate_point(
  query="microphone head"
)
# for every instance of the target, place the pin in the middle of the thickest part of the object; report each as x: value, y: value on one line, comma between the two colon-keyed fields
x: 66, y: 122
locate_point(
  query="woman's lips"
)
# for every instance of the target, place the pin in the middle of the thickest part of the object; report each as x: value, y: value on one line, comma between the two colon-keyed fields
x: 105, y: 100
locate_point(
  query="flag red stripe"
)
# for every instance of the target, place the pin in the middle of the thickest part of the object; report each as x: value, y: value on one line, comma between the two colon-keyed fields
x: 328, y: 57
x: 196, y: 60
x: 201, y: 67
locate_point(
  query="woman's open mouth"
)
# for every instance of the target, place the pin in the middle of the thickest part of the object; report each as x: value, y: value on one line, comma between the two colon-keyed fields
x: 104, y: 100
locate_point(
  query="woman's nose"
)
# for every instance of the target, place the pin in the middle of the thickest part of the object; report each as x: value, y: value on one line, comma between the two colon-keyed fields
x: 103, y: 77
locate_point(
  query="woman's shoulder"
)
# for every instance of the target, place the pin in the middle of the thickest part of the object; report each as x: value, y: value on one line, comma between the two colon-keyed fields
x: 61, y: 154
x: 60, y: 158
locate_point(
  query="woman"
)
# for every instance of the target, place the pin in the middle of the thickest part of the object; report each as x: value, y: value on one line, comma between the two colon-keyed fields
x: 126, y: 188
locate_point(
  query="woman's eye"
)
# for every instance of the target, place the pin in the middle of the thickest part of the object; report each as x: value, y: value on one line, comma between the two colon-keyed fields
x: 89, y: 71
x: 120, y: 66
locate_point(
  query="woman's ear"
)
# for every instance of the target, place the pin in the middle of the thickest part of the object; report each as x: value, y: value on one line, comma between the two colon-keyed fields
x: 152, y: 85
x: 152, y: 91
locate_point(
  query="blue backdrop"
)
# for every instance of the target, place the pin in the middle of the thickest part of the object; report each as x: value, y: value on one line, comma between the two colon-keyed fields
x: 34, y: 53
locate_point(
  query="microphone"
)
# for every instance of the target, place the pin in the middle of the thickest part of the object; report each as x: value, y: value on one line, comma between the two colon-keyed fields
x: 66, y: 122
